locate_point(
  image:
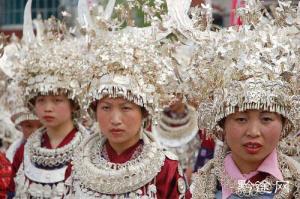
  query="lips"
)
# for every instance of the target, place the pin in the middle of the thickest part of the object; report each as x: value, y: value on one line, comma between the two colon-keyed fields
x: 252, y: 147
x: 116, y: 132
x: 48, y: 118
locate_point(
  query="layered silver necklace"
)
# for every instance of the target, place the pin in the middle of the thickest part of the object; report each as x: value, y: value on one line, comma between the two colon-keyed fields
x: 96, y: 176
x: 32, y: 179
x: 50, y: 157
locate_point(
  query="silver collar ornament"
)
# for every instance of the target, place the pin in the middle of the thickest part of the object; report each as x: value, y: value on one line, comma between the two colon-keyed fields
x: 47, y: 179
x: 96, y: 177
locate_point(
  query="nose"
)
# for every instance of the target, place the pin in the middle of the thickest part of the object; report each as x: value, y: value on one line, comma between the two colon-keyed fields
x: 116, y: 118
x: 253, y: 129
x: 48, y: 106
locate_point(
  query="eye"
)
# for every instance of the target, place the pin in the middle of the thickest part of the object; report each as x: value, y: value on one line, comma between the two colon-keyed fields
x: 241, y: 119
x: 267, y: 119
x: 58, y: 100
x: 126, y: 108
x: 105, y: 108
x: 40, y: 99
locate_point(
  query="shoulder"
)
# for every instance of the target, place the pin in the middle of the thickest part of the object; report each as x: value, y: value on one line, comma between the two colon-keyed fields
x: 13, y: 148
x: 18, y: 158
x: 3, y: 160
x: 84, y: 131
x: 293, y: 164
x: 203, y: 174
x: 204, y: 181
x: 19, y: 152
x: 208, y: 167
x: 170, y: 155
x: 170, y: 164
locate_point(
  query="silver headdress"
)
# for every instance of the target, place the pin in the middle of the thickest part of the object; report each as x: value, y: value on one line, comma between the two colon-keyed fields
x: 253, y: 66
x: 52, y: 63
x: 127, y: 63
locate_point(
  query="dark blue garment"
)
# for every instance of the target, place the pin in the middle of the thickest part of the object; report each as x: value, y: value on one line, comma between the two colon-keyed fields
x: 204, y: 155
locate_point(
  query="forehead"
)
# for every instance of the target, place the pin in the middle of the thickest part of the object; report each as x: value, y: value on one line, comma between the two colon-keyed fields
x: 115, y: 101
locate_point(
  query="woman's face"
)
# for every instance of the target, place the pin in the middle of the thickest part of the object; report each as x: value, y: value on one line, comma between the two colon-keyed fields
x: 53, y: 110
x: 119, y: 120
x: 252, y: 135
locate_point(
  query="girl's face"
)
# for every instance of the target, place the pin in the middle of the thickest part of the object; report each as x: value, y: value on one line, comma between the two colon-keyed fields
x: 53, y: 110
x: 252, y: 135
x: 119, y: 120
x: 29, y: 126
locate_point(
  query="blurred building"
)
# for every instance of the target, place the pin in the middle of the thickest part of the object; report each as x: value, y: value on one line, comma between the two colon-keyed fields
x: 12, y: 11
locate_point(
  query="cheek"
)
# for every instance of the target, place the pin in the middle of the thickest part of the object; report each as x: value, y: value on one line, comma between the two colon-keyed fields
x: 133, y: 120
x: 233, y: 134
x: 102, y: 119
x: 38, y: 110
x: 64, y: 110
x: 272, y: 134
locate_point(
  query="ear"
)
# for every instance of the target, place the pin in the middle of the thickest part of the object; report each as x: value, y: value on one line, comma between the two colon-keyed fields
x: 33, y: 109
x: 221, y: 134
x: 284, y: 122
x: 145, y: 113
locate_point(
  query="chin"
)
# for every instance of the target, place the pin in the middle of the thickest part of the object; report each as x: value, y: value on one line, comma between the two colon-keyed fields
x: 50, y: 125
x: 255, y: 158
x: 116, y: 140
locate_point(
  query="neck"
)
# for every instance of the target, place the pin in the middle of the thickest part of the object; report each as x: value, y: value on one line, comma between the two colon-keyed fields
x: 58, y: 133
x: 246, y: 167
x: 119, y: 148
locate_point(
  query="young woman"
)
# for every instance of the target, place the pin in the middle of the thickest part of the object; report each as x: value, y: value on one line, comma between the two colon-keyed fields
x: 50, y: 79
x: 251, y: 110
x: 250, y: 164
x: 244, y: 81
x: 42, y: 161
x: 122, y: 160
